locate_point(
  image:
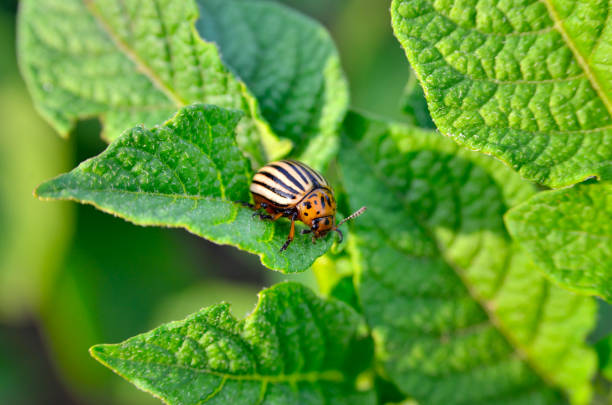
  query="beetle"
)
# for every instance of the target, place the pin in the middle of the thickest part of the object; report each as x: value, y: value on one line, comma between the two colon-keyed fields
x: 288, y: 188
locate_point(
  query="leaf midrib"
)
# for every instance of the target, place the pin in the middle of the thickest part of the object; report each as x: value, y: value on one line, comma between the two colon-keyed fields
x: 134, y: 57
x: 558, y: 24
x: 335, y: 376
x: 76, y: 191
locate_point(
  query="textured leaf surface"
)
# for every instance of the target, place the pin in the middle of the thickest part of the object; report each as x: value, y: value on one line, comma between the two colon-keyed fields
x: 188, y: 173
x: 569, y: 235
x: 126, y: 61
x: 460, y: 316
x: 290, y: 64
x: 293, y: 349
x: 527, y: 81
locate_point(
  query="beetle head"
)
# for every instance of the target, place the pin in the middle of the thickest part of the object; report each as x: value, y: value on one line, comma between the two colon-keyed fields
x: 318, y: 211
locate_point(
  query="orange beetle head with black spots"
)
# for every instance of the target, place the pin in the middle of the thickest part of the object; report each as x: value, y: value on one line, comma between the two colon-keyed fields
x: 318, y: 211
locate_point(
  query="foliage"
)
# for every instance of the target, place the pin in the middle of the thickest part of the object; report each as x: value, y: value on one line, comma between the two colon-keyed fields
x: 128, y: 63
x: 188, y: 173
x: 430, y: 299
x: 293, y: 348
x: 290, y: 64
x: 526, y: 81
x: 459, y: 314
x: 569, y: 234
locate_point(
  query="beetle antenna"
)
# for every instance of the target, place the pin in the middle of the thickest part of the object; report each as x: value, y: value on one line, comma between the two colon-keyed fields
x: 353, y: 215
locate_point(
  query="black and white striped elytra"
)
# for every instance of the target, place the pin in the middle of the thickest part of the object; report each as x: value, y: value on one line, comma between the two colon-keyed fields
x: 286, y: 182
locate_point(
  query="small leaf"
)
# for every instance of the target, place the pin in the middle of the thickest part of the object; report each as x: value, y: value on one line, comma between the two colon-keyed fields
x: 294, y: 348
x: 569, y: 235
x: 527, y: 82
x: 128, y: 62
x: 458, y: 312
x: 188, y: 173
x: 290, y: 64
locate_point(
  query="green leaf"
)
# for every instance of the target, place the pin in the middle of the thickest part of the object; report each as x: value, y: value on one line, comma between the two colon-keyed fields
x: 529, y: 82
x: 290, y: 64
x: 459, y: 314
x: 188, y: 173
x: 569, y: 235
x: 294, y: 348
x: 127, y: 62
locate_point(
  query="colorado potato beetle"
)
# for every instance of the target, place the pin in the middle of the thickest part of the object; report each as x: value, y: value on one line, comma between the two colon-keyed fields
x: 291, y: 189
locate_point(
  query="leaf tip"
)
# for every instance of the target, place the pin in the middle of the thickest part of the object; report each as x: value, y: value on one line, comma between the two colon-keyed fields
x: 99, y: 352
x: 47, y: 190
x: 42, y: 191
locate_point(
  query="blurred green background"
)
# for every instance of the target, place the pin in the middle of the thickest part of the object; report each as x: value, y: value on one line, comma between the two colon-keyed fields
x: 71, y: 276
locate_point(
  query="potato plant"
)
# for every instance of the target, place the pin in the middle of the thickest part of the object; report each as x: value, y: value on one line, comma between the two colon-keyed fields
x: 470, y: 278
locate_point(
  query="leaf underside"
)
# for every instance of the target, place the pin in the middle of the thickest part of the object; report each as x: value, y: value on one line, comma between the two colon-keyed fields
x: 569, y: 234
x: 295, y: 348
x: 127, y: 62
x: 459, y: 314
x: 290, y: 64
x: 527, y: 81
x: 188, y: 173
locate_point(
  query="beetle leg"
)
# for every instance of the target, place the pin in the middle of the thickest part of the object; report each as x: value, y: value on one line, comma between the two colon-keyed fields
x: 314, y: 239
x: 266, y: 216
x: 262, y: 205
x: 305, y: 231
x: 261, y: 215
x: 291, y: 233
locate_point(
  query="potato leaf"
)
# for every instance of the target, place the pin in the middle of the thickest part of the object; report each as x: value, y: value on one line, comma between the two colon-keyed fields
x: 569, y: 235
x: 290, y: 64
x: 295, y: 348
x: 527, y: 81
x: 188, y: 173
x: 127, y: 62
x: 459, y: 314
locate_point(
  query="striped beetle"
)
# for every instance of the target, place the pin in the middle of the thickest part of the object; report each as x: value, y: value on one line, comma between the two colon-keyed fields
x: 291, y: 189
